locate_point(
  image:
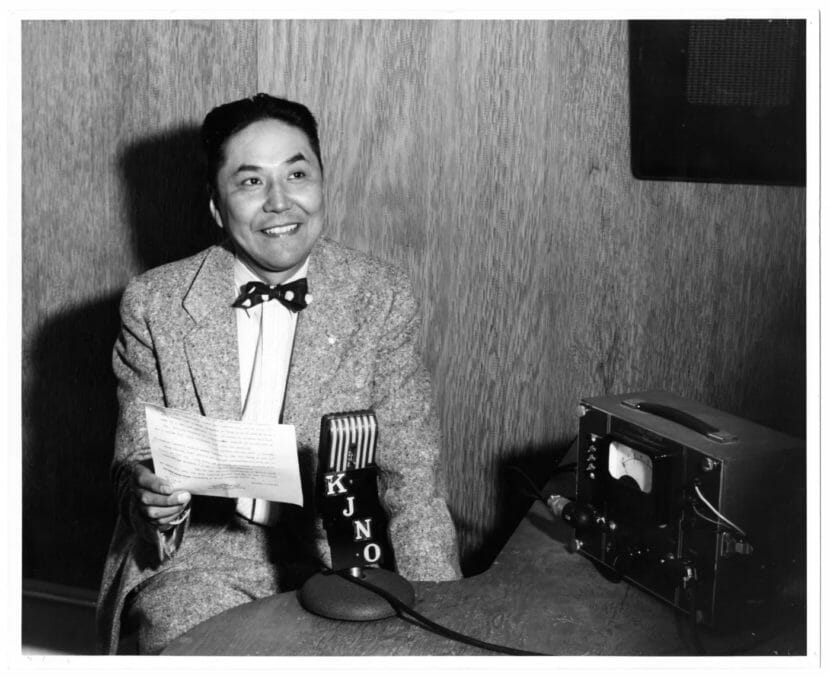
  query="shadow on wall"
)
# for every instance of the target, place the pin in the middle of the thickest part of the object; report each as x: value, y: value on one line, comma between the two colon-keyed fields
x: 69, y: 421
x: 517, y: 475
x: 69, y: 400
x: 164, y: 182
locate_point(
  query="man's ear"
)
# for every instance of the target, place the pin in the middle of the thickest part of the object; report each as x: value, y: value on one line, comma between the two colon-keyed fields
x: 215, y: 213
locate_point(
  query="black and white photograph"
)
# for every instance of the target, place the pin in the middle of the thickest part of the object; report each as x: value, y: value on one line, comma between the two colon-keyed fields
x: 424, y: 339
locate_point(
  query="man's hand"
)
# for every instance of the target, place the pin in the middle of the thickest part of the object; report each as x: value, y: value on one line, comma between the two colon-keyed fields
x: 153, y: 501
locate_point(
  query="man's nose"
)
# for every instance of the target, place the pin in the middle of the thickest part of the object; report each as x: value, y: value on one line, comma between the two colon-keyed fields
x: 277, y: 198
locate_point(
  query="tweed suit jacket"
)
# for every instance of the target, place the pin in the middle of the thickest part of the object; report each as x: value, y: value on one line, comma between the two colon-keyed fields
x: 355, y: 348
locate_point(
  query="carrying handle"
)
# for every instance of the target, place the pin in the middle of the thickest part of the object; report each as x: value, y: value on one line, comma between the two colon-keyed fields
x: 682, y: 418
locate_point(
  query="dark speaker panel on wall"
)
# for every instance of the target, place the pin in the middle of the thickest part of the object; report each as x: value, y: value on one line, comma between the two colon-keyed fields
x: 719, y: 100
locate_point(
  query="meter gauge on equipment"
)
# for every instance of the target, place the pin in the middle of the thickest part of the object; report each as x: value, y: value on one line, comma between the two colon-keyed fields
x: 630, y: 466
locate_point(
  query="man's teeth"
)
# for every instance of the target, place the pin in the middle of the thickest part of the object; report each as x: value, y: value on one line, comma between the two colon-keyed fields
x: 281, y: 230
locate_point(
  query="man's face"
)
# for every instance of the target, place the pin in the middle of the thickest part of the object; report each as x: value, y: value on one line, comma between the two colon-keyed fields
x: 269, y: 197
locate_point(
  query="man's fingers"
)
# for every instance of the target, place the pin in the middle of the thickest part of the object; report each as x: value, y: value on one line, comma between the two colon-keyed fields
x: 161, y: 513
x: 154, y: 499
x: 177, y: 499
x: 147, y: 480
x: 161, y: 509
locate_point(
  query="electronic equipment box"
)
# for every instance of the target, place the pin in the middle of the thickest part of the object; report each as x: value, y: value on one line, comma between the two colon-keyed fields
x: 702, y: 509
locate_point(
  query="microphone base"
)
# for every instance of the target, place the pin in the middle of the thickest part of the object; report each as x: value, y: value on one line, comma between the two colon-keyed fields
x: 334, y: 597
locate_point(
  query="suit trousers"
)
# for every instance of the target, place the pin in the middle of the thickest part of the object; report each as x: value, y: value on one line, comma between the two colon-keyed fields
x: 242, y: 563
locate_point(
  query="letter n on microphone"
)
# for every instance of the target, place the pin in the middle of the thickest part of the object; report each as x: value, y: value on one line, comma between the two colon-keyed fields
x: 354, y: 519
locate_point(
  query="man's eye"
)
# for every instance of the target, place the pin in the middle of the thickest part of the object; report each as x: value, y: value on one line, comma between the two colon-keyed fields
x: 251, y: 181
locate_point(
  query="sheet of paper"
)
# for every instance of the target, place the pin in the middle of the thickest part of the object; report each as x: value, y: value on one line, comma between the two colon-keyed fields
x: 223, y: 458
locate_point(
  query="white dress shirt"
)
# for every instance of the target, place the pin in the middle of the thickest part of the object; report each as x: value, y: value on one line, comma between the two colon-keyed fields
x: 265, y: 334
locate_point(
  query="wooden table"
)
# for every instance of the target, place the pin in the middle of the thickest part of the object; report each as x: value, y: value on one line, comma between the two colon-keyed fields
x: 536, y: 596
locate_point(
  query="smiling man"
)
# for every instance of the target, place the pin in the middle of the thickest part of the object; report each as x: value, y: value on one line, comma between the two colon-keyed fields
x: 268, y: 196
x: 233, y: 333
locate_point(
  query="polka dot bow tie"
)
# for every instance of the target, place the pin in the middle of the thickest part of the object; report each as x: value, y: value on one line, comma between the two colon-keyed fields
x: 294, y: 295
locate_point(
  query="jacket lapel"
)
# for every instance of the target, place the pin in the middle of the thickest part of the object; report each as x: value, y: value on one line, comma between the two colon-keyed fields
x: 211, y: 346
x: 319, y: 339
x: 213, y: 353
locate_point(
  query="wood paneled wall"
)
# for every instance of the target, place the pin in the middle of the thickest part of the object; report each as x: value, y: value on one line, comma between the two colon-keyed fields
x: 490, y: 159
x: 112, y: 185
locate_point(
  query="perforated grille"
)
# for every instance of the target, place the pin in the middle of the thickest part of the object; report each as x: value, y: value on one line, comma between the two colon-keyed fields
x: 744, y: 62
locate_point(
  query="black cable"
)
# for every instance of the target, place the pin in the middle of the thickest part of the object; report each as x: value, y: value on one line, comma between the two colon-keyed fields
x: 565, y: 468
x: 535, y: 491
x: 402, y: 609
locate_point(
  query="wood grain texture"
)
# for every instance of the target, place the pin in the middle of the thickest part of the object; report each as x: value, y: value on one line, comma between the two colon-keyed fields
x: 488, y: 158
x: 491, y: 160
x: 111, y: 186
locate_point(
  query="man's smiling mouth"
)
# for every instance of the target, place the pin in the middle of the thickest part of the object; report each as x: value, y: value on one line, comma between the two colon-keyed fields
x: 277, y: 231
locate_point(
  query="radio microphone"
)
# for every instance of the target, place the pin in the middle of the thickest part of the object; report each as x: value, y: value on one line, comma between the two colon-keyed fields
x: 355, y: 523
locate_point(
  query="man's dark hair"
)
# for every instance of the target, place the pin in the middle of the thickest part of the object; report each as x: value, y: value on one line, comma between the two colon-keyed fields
x: 226, y: 120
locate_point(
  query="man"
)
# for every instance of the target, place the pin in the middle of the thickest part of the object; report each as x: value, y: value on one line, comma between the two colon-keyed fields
x: 192, y: 339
